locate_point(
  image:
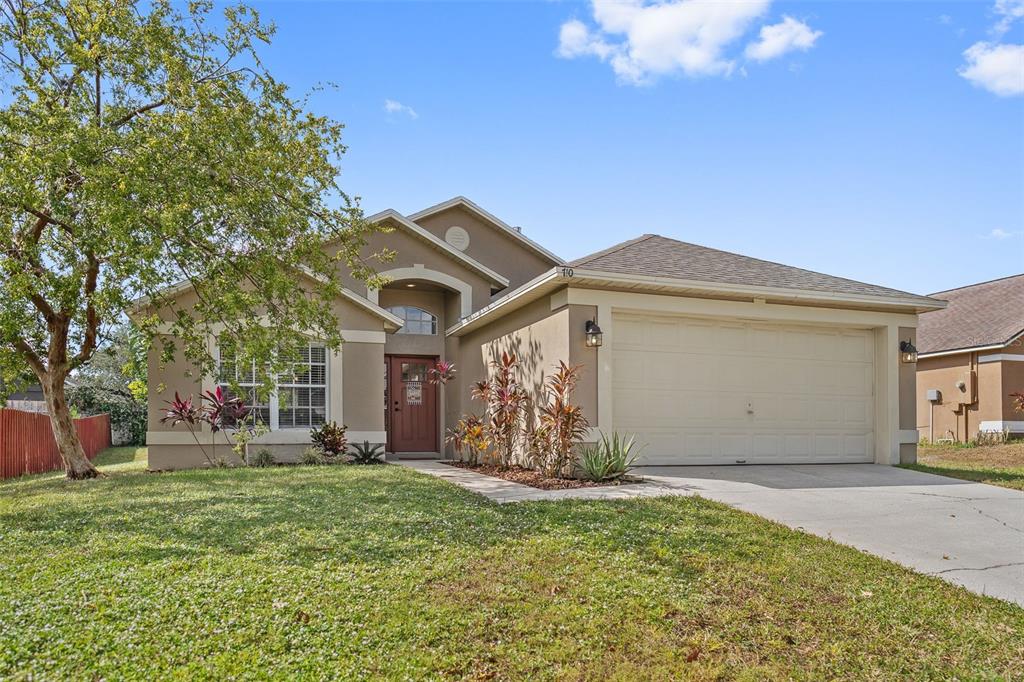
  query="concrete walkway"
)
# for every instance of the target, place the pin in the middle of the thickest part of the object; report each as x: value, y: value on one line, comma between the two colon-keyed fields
x: 970, y: 534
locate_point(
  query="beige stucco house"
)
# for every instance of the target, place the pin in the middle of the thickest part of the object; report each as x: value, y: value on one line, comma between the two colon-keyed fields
x: 708, y: 357
x: 971, y: 358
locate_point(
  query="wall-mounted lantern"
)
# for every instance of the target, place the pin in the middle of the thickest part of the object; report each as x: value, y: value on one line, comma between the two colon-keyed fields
x: 908, y: 353
x: 594, y: 335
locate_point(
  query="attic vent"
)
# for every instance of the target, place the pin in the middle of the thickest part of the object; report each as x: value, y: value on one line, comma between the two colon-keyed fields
x: 457, y: 237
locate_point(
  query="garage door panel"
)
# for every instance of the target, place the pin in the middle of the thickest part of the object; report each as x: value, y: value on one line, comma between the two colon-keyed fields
x: 686, y: 388
x: 828, y: 412
x: 698, y: 336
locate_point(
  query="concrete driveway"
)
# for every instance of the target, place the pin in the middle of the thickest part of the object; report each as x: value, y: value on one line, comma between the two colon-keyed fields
x: 970, y: 534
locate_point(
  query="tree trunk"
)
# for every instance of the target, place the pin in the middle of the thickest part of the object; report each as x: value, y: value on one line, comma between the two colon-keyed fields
x: 76, y: 464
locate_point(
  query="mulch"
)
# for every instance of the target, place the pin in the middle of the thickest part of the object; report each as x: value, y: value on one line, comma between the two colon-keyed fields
x: 529, y: 477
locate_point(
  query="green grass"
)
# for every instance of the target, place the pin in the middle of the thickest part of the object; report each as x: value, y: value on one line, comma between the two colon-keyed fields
x: 1001, y: 464
x: 379, y: 572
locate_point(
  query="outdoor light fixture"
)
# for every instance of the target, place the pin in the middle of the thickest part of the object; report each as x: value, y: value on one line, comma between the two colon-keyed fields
x: 594, y: 335
x: 908, y: 353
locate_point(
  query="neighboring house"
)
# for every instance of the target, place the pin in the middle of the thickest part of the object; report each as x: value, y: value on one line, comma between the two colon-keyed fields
x: 971, y: 357
x: 708, y: 357
x: 28, y: 399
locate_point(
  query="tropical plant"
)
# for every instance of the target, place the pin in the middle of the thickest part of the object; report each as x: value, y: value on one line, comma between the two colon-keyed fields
x: 313, y: 457
x: 506, y: 402
x: 563, y: 426
x: 1018, y: 401
x: 468, y: 437
x: 608, y: 459
x: 144, y: 144
x: 223, y: 411
x: 442, y: 372
x: 365, y: 453
x: 263, y: 458
x: 330, y: 438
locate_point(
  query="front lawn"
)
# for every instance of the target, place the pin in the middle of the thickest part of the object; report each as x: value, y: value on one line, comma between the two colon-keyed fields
x: 379, y: 572
x: 1001, y: 465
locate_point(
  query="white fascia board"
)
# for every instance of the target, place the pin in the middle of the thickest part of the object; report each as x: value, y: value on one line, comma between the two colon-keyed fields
x: 560, y: 275
x: 507, y: 303
x: 441, y: 245
x: 490, y: 217
x: 1001, y: 357
x: 918, y: 303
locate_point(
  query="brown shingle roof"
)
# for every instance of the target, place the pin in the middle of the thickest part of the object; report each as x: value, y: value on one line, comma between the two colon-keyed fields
x: 655, y: 256
x: 986, y: 314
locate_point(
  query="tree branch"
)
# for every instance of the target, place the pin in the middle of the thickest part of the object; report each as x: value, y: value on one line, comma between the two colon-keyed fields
x: 92, y: 320
x: 31, y: 357
x: 135, y: 112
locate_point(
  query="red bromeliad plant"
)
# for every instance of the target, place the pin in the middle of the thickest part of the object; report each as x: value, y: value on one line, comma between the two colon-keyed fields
x: 222, y: 411
x: 563, y: 426
x: 506, y: 402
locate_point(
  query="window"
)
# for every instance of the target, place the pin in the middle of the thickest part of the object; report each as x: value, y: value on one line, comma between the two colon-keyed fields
x: 230, y: 371
x: 417, y: 321
x: 303, y: 394
x: 299, y: 399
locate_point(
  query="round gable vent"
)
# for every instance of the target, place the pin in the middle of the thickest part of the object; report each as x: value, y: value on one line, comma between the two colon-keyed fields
x: 457, y: 237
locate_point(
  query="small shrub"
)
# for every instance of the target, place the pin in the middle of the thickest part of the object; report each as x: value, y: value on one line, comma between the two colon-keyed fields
x: 992, y: 437
x: 330, y: 439
x: 263, y: 458
x: 609, y: 459
x: 365, y: 453
x: 506, y: 401
x: 468, y: 437
x: 562, y: 427
x: 313, y: 457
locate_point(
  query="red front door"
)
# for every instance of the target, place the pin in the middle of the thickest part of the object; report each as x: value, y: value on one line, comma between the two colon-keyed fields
x: 411, y: 404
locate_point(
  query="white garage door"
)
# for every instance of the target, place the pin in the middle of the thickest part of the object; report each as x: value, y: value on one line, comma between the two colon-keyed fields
x: 699, y: 391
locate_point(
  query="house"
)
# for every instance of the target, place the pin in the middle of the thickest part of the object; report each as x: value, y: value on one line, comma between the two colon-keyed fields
x: 708, y: 357
x: 971, y: 357
x: 28, y: 398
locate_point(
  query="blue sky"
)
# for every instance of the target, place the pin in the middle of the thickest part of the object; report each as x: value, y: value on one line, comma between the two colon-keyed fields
x: 852, y: 144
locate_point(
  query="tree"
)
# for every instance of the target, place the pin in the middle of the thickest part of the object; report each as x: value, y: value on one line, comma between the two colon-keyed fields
x: 143, y: 146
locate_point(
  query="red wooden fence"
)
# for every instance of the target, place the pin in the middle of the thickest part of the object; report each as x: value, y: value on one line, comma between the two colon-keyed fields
x: 27, y: 445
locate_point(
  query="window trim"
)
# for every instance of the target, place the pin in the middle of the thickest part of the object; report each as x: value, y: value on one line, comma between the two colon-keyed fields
x: 274, y: 395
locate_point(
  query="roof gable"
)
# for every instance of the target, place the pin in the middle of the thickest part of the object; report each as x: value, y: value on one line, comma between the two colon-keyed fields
x: 411, y: 228
x: 979, y: 315
x: 494, y: 221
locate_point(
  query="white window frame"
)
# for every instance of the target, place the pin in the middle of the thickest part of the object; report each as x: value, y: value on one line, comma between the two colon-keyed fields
x: 433, y: 319
x: 274, y: 396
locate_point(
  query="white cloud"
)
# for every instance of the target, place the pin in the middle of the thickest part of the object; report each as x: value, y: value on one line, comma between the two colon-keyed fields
x: 998, y: 233
x: 643, y: 41
x: 945, y: 19
x: 395, y: 107
x: 1010, y: 11
x: 778, y: 39
x: 996, y: 68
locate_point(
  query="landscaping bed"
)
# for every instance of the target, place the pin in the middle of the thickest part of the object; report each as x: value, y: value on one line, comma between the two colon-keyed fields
x: 532, y: 478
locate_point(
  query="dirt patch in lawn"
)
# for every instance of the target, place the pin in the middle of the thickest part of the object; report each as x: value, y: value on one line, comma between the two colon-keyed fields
x: 532, y: 478
x: 1009, y: 454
